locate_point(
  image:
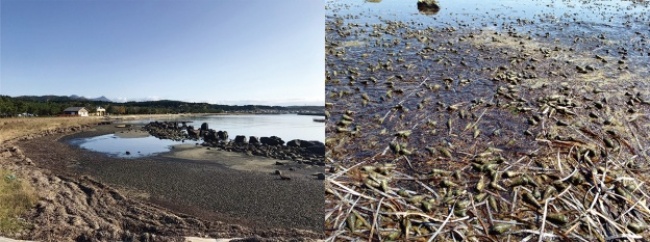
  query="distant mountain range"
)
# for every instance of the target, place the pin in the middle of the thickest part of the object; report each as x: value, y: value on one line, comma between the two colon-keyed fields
x: 73, y: 97
x: 100, y: 99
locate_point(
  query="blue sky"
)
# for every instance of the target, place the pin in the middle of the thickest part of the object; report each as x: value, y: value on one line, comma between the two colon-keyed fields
x: 225, y: 52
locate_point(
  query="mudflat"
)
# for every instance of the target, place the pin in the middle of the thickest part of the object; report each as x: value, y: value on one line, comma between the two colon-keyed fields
x: 212, y: 185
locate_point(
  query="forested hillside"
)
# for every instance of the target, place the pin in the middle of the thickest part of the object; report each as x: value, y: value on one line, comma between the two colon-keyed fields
x: 54, y: 105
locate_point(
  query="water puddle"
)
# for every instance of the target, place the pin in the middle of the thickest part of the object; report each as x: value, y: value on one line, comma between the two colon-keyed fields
x: 115, y: 146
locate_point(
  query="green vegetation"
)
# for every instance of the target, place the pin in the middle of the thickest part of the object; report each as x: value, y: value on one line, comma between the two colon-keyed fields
x: 54, y: 105
x: 16, y: 197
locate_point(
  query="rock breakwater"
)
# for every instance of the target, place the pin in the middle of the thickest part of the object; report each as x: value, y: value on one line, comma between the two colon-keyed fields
x: 301, y: 151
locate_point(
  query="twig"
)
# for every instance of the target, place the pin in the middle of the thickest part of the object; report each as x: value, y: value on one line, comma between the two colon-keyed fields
x: 541, y: 229
x: 374, y: 221
x: 443, y: 224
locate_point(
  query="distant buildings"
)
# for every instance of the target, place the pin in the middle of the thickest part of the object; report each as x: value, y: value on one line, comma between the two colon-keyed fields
x: 101, y: 111
x: 76, y: 111
x: 22, y: 115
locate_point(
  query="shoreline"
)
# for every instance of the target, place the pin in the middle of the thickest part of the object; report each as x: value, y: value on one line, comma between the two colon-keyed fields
x: 72, y: 166
x: 202, y: 159
x: 24, y: 128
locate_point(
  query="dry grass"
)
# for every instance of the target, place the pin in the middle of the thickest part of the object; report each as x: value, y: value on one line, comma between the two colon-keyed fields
x: 568, y: 199
x: 12, y: 128
x: 16, y: 197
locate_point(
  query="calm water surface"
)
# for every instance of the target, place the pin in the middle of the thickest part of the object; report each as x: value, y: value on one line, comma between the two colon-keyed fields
x: 624, y: 24
x: 482, y: 13
x: 285, y: 126
x: 117, y: 147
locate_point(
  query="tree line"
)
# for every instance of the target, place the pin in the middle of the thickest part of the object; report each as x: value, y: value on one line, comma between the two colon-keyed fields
x: 54, y: 106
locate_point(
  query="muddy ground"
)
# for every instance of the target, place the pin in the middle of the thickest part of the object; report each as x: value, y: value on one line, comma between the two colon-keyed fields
x: 204, y: 197
x: 483, y: 103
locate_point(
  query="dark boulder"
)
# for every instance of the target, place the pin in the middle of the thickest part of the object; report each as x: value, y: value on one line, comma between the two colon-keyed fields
x: 253, y: 140
x: 223, y: 135
x: 276, y: 138
x: 307, y: 144
x: 210, y: 136
x: 240, y: 139
x: 294, y: 143
x: 316, y: 148
x: 273, y: 141
x: 428, y: 7
x: 303, y: 143
x: 204, y: 126
x: 193, y: 133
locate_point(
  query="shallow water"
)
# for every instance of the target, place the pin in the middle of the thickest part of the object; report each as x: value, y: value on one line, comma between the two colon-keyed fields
x: 622, y: 24
x: 479, y: 13
x: 482, y: 84
x: 285, y: 126
x: 113, y: 145
x: 392, y: 68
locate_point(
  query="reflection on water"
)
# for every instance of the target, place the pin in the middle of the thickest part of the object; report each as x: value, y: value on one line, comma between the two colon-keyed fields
x: 115, y: 146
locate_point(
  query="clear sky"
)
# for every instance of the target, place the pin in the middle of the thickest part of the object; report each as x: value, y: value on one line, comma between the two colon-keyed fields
x: 216, y: 51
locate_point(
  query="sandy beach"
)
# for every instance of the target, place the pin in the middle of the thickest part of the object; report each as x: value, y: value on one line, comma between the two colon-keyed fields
x: 242, y: 162
x: 131, y: 134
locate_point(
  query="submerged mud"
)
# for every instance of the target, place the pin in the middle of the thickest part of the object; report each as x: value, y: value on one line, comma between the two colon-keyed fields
x: 491, y: 104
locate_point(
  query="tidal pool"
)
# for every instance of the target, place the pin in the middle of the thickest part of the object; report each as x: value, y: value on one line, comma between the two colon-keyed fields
x: 113, y: 145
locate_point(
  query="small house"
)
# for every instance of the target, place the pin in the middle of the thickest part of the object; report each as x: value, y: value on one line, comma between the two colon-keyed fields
x: 76, y: 111
x: 101, y: 111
